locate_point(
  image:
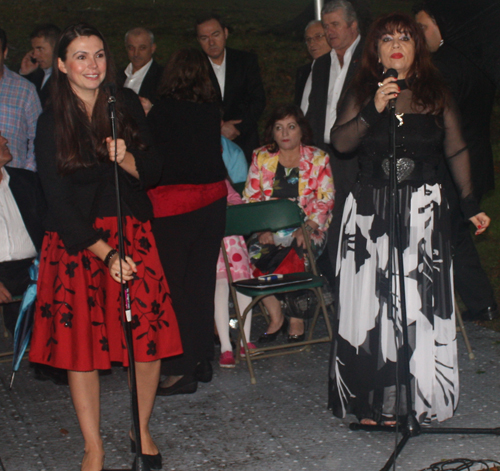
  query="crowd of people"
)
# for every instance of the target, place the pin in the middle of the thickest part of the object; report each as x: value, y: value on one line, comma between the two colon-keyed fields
x: 186, y: 133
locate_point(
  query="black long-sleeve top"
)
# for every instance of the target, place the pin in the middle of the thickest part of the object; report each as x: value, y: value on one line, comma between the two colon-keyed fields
x: 73, y: 199
x: 188, y: 140
x: 424, y: 138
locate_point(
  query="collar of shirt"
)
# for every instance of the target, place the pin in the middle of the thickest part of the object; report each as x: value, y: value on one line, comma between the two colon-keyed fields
x: 220, y: 73
x: 134, y: 79
x: 336, y: 83
x: 48, y: 73
x: 304, y: 104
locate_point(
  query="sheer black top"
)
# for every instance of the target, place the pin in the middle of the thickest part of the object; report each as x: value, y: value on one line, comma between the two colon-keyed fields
x: 421, y: 138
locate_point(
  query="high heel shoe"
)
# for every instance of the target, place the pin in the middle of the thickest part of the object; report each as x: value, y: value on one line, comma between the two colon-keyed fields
x: 296, y: 338
x: 153, y: 461
x: 267, y: 338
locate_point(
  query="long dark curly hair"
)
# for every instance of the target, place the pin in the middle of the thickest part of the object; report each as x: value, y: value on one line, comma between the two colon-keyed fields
x: 423, y: 79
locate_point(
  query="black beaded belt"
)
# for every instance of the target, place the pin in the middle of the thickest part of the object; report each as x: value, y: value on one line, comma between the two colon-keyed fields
x: 407, y: 169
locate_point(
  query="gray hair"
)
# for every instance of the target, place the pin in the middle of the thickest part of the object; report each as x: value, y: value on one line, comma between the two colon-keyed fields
x: 348, y: 10
x: 312, y: 23
x: 140, y: 30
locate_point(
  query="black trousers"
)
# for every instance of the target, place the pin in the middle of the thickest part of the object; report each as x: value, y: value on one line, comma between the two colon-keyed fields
x: 189, y: 246
x: 15, y: 277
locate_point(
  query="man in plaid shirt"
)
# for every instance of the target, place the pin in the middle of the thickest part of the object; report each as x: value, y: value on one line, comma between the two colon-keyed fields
x: 19, y: 111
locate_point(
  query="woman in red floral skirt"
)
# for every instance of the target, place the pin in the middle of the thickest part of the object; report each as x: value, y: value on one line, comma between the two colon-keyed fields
x: 78, y: 321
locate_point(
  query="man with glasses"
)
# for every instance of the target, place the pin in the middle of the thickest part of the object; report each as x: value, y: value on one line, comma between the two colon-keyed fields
x: 317, y: 46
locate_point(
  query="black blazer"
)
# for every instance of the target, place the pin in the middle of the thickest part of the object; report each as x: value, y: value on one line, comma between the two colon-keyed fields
x: 300, y: 82
x: 150, y: 83
x: 27, y: 191
x: 344, y: 171
x: 316, y: 112
x: 475, y: 95
x: 72, y: 199
x: 244, y: 96
x: 36, y: 78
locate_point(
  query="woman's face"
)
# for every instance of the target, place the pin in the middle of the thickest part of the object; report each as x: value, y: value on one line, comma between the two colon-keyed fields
x: 85, y: 65
x: 287, y: 133
x: 397, y: 51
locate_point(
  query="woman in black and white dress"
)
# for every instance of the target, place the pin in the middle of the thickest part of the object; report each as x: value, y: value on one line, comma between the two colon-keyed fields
x: 366, y: 350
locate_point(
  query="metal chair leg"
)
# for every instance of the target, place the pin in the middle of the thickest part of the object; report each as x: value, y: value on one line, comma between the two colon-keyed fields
x: 461, y: 327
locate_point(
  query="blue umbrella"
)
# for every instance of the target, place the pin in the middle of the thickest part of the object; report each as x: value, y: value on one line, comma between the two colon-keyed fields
x: 24, y: 324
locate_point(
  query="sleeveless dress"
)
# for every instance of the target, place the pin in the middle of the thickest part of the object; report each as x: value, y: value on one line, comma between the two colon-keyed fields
x: 366, y: 359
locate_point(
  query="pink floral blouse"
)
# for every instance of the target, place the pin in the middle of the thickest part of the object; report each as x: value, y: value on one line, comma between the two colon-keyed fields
x: 316, y: 192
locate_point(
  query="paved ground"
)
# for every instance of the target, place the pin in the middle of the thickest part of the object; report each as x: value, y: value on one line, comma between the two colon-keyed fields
x: 279, y: 424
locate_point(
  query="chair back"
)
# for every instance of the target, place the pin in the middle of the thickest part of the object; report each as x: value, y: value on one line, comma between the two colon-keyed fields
x: 274, y: 215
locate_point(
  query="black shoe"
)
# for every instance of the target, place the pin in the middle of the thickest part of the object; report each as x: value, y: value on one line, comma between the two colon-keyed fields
x: 186, y: 385
x: 487, y: 314
x: 49, y: 373
x: 296, y: 338
x: 153, y: 461
x: 204, y: 371
x: 268, y: 338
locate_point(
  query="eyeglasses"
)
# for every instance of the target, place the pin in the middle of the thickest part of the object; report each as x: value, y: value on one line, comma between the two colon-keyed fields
x: 314, y: 39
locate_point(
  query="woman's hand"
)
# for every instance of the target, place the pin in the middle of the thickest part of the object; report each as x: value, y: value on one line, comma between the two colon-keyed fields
x: 121, y: 149
x: 387, y: 90
x: 481, y: 221
x: 266, y: 238
x: 299, y: 237
x: 128, y: 268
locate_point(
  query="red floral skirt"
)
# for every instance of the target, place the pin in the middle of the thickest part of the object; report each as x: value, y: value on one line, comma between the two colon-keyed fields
x: 77, y: 319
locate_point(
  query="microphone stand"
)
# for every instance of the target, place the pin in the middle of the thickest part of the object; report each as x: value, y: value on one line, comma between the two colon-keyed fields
x: 409, y: 424
x: 125, y: 305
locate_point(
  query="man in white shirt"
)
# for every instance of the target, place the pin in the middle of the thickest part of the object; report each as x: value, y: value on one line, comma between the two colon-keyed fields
x: 317, y: 46
x: 331, y: 77
x: 143, y: 74
x: 22, y: 208
x: 236, y: 77
x: 36, y: 65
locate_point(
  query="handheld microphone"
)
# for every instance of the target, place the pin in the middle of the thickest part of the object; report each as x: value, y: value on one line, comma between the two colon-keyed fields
x: 392, y: 73
x: 112, y: 92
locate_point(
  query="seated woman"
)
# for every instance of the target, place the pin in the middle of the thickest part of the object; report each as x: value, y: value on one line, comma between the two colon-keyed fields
x: 288, y: 168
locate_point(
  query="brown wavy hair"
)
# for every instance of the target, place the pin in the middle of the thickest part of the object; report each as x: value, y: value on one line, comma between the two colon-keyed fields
x: 186, y: 77
x: 423, y: 79
x: 282, y: 112
x: 80, y: 141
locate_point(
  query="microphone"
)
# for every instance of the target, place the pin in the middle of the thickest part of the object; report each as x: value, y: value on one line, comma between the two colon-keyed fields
x: 392, y: 73
x: 112, y: 92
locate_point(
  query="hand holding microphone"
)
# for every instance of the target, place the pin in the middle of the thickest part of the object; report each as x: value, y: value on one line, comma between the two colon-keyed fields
x: 387, y: 92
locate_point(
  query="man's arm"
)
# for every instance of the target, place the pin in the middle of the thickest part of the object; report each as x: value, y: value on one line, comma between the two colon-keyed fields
x: 32, y: 110
x: 5, y: 296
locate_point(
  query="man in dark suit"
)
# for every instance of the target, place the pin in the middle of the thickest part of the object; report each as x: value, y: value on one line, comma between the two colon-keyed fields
x: 236, y: 77
x: 331, y: 77
x: 22, y: 208
x: 317, y: 46
x: 143, y: 74
x: 36, y: 65
x: 474, y: 94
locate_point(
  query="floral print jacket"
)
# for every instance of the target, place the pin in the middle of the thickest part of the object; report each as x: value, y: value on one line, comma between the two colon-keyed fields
x: 316, y: 193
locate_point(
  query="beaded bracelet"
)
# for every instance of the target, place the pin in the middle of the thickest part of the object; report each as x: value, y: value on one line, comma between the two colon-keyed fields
x: 110, y: 255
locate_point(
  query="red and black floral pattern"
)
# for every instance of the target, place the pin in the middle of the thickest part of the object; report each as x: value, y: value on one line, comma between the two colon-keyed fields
x: 78, y: 319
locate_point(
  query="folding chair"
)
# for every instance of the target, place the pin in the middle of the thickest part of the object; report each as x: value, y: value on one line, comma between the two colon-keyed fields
x: 246, y: 219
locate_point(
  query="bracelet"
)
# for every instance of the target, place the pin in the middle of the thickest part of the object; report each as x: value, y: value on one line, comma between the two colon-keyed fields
x: 309, y: 228
x: 110, y: 255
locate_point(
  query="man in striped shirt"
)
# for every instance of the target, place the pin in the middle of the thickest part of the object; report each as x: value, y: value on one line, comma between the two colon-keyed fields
x: 19, y: 111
